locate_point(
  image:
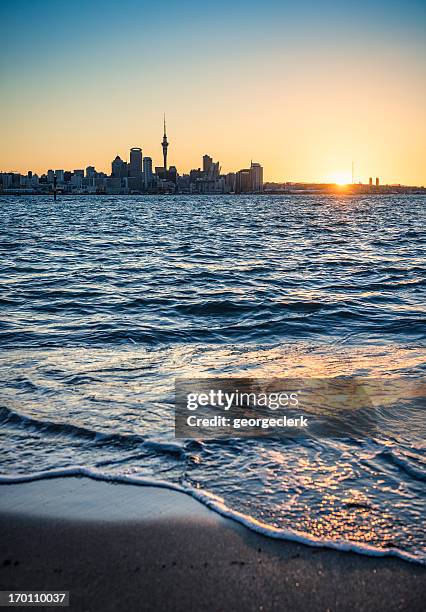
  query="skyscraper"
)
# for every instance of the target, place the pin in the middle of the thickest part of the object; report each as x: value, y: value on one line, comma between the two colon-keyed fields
x: 135, y: 165
x: 207, y: 164
x: 147, y: 172
x: 165, y: 144
x: 243, y: 181
x: 256, y: 171
x: 377, y: 181
x: 211, y: 169
x: 118, y: 167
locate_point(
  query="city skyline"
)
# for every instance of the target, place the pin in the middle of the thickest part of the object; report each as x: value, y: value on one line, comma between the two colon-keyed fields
x: 307, y: 89
x: 343, y: 177
x: 138, y: 164
x: 136, y: 174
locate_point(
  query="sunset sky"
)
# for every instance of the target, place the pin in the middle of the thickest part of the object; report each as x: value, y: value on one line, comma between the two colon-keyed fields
x: 302, y: 87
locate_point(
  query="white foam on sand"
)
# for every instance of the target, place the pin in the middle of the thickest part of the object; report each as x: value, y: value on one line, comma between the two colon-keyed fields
x: 216, y: 504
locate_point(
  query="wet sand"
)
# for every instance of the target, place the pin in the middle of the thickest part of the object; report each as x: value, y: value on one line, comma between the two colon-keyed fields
x: 126, y: 547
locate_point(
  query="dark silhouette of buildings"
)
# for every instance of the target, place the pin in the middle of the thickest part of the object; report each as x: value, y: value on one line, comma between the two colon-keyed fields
x: 136, y: 176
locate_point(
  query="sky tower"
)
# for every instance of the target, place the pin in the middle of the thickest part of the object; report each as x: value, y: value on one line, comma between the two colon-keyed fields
x: 165, y: 144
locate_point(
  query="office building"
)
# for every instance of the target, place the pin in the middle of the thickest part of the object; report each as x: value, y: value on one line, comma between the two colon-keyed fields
x: 207, y: 164
x: 256, y: 177
x: 147, y: 173
x: 230, y: 182
x: 243, y: 181
x: 77, y: 178
x: 211, y: 169
x: 171, y: 174
x: 6, y: 180
x: 135, y: 165
x: 118, y: 167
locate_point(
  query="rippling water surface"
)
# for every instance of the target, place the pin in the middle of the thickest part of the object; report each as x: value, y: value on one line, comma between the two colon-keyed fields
x: 104, y: 300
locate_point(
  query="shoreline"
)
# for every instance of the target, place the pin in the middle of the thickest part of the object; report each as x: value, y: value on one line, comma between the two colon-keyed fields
x: 414, y: 191
x: 115, y: 545
x: 212, y: 503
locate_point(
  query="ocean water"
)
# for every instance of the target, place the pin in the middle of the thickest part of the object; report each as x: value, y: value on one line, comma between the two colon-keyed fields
x: 104, y: 300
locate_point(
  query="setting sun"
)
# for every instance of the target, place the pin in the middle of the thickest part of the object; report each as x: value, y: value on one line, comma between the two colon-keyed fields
x: 340, y: 178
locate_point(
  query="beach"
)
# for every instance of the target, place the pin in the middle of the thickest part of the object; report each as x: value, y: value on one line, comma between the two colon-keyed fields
x: 107, y: 303
x: 121, y: 546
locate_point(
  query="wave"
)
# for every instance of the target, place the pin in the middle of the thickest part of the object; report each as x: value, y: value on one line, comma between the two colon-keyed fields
x: 8, y: 416
x: 401, y: 462
x: 217, y: 504
x: 226, y: 323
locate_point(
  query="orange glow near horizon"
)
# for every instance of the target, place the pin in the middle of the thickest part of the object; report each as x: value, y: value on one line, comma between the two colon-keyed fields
x: 236, y: 92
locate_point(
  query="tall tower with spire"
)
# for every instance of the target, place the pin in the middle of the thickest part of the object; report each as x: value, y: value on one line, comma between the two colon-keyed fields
x: 165, y: 144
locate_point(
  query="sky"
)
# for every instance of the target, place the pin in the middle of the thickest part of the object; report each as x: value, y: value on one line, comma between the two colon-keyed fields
x: 304, y: 87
